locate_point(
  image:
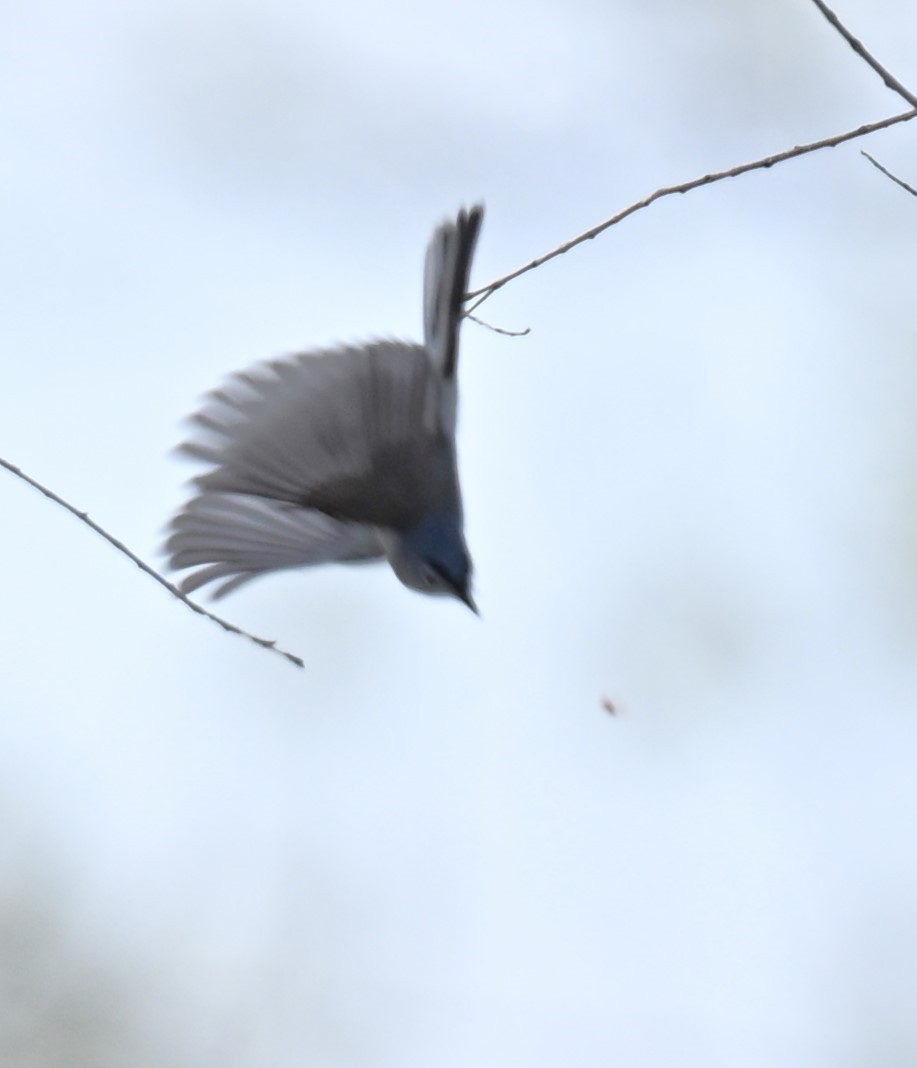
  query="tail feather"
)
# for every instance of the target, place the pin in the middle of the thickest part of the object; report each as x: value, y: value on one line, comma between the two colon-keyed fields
x: 446, y: 271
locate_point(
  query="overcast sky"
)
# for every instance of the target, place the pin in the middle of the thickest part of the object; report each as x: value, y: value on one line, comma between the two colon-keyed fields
x: 690, y: 491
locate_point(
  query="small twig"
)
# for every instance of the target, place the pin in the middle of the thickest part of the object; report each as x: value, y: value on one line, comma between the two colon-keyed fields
x: 487, y: 291
x: 498, y: 329
x: 890, y: 80
x: 888, y: 174
x: 174, y: 590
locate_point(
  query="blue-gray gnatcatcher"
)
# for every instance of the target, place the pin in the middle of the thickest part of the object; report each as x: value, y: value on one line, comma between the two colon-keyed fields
x: 339, y: 455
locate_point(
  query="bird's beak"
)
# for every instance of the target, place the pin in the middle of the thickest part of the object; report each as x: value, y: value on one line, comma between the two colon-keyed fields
x: 466, y: 598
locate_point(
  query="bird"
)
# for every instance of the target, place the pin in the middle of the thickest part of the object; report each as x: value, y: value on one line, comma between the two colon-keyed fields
x: 341, y: 454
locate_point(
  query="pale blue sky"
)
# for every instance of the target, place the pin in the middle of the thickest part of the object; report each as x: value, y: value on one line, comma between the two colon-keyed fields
x: 690, y: 489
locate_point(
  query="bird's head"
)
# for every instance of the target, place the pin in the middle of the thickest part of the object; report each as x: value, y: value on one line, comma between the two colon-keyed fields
x: 431, y: 557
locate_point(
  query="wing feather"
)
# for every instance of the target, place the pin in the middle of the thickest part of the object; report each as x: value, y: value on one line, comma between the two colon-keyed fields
x: 239, y: 537
x: 292, y: 430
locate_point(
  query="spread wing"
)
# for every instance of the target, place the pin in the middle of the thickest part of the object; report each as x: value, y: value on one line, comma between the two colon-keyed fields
x: 308, y: 457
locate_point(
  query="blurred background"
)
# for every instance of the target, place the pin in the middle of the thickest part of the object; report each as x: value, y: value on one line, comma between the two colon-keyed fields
x: 691, y: 492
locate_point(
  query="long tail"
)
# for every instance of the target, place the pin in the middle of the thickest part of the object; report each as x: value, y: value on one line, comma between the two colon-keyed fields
x: 446, y: 271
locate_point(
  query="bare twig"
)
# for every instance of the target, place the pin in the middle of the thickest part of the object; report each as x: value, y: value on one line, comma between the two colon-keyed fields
x: 174, y: 590
x: 487, y: 291
x: 890, y: 80
x: 888, y: 174
x: 498, y: 329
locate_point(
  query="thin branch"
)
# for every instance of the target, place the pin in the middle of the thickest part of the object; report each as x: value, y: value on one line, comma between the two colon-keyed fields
x: 890, y: 80
x: 498, y: 329
x: 888, y: 174
x: 487, y: 291
x: 174, y: 590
